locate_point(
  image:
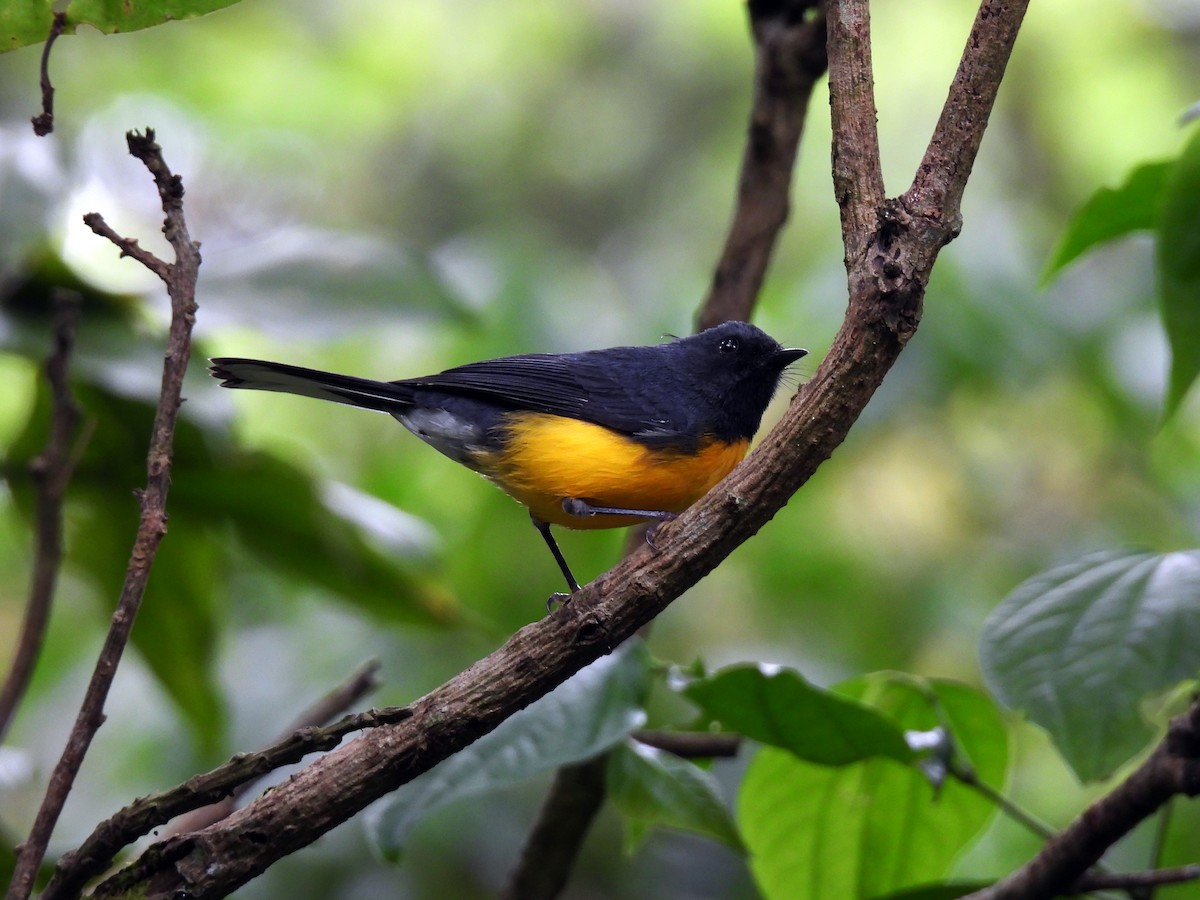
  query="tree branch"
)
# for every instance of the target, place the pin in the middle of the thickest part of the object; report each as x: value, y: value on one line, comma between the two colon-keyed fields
x: 1172, y: 768
x: 789, y: 59
x: 942, y: 175
x: 180, y: 279
x: 857, y: 172
x: 51, y: 471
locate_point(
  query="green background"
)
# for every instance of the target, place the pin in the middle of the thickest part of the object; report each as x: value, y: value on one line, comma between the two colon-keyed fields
x: 394, y: 190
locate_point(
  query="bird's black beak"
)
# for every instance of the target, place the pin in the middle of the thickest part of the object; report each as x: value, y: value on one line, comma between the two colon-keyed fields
x: 786, y: 356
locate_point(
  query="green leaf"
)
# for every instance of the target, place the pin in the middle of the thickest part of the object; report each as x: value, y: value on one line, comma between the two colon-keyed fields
x: 651, y: 787
x: 875, y: 826
x: 1111, y: 213
x: 779, y: 707
x: 1179, y: 272
x: 24, y: 22
x: 583, y: 716
x: 1078, y: 648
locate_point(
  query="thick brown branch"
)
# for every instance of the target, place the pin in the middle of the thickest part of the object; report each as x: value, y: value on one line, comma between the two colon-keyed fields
x: 1172, y: 769
x: 789, y: 44
x: 96, y: 854
x: 51, y: 472
x: 180, y: 278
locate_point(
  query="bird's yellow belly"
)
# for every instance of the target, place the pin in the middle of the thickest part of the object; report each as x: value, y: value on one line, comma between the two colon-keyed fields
x: 547, y: 459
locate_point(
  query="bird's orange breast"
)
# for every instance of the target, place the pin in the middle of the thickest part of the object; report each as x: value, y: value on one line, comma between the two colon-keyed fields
x: 547, y: 458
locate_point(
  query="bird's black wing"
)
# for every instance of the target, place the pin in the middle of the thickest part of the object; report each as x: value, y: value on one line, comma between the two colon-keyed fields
x: 625, y: 389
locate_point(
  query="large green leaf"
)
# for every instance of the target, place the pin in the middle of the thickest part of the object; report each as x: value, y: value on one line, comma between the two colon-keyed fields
x: 24, y: 22
x: 1079, y: 647
x: 651, y: 787
x: 583, y: 716
x: 876, y: 826
x: 1111, y: 213
x: 1179, y: 271
x: 778, y: 706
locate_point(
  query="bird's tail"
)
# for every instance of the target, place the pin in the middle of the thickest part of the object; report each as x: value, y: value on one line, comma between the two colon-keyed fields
x: 260, y: 375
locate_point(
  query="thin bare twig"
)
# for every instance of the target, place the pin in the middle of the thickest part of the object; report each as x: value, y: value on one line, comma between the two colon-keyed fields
x: 1157, y: 846
x: 129, y: 246
x: 51, y: 471
x: 362, y: 681
x: 96, y: 854
x: 43, y: 123
x: 180, y: 279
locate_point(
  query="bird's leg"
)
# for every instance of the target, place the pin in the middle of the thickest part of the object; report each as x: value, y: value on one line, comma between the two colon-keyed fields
x: 544, y: 528
x: 573, y: 506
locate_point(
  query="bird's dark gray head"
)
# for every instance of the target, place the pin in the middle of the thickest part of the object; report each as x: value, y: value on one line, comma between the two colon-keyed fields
x: 737, y: 367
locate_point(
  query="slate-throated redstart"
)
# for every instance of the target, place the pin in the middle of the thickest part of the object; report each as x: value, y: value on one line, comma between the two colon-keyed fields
x: 599, y: 439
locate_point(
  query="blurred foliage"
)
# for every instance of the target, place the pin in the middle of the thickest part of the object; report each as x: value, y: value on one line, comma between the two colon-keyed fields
x: 1162, y: 198
x: 394, y: 192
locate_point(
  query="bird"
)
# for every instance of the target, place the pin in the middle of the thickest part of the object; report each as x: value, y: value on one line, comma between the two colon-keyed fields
x: 594, y: 439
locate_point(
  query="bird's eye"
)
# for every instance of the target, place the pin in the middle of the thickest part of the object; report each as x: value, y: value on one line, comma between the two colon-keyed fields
x: 729, y: 345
